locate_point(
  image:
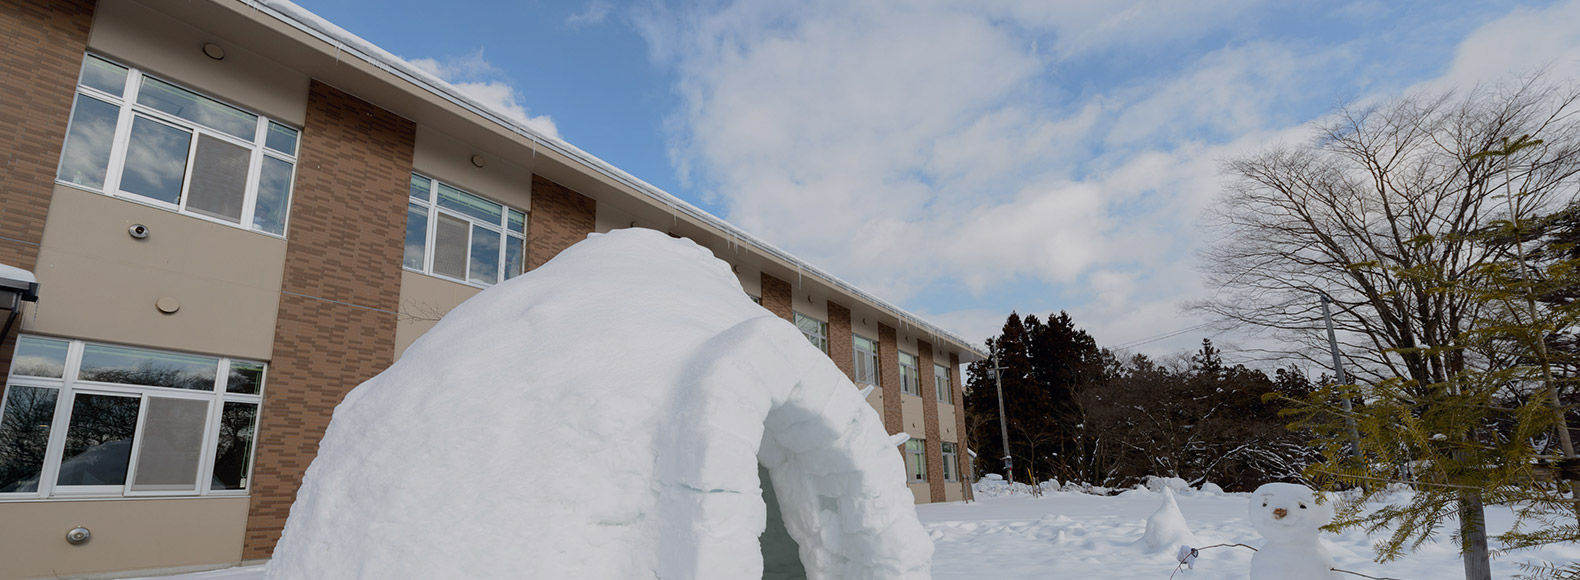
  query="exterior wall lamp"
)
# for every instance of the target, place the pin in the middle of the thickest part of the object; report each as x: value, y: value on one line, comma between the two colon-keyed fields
x: 16, y: 286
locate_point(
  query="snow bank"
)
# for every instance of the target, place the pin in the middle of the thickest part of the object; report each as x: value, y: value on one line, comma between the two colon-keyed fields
x: 605, y: 416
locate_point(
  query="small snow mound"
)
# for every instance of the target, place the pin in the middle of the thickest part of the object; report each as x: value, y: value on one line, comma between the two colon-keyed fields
x: 1157, y: 484
x: 1166, y: 528
x: 993, y: 477
x: 1211, y: 488
x: 710, y: 440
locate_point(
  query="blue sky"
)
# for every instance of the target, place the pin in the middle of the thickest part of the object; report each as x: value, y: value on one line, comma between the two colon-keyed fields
x: 963, y: 158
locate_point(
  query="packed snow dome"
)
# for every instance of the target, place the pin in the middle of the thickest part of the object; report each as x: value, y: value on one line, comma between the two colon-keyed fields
x: 621, y: 412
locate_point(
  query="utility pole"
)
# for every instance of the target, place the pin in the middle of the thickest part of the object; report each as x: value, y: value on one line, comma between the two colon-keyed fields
x: 1338, y: 373
x: 1003, y: 426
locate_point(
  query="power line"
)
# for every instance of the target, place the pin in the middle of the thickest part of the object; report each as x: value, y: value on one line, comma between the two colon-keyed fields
x: 1151, y: 339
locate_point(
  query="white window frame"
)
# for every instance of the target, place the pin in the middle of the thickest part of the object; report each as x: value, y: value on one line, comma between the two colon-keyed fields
x: 860, y: 355
x: 69, y: 386
x: 910, y: 383
x: 130, y: 109
x: 819, y: 338
x: 431, y: 204
x: 919, y: 454
x: 951, y: 460
x: 943, y: 386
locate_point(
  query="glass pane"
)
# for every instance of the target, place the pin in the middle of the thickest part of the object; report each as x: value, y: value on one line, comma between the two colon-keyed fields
x: 233, y: 456
x: 518, y: 222
x: 485, y: 256
x: 420, y: 187
x: 863, y: 343
x: 156, y: 160
x: 274, y: 196
x: 24, y: 432
x: 515, y: 256
x: 449, y: 247
x: 466, y: 203
x: 88, y: 140
x: 171, y: 445
x: 39, y: 357
x: 99, y: 440
x: 219, y: 179
x: 416, y: 236
x: 136, y: 366
x: 281, y: 138
x: 103, y: 75
x: 199, y: 109
x: 245, y: 377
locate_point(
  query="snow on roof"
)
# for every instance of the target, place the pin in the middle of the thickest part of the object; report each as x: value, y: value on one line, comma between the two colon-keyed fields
x: 306, y: 21
x: 14, y: 273
x: 611, y: 414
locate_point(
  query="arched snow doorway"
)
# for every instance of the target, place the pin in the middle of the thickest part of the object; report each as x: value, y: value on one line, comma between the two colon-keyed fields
x: 610, y: 414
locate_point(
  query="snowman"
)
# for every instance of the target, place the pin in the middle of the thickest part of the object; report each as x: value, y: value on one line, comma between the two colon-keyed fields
x: 1289, y: 517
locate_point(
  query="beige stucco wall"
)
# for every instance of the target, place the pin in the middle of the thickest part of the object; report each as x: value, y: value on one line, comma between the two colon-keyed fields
x: 423, y: 300
x: 921, y: 492
x: 911, y: 413
x: 875, y: 398
x: 127, y: 535
x: 449, y: 160
x: 946, y: 423
x: 98, y: 283
x: 129, y: 32
x: 953, y: 491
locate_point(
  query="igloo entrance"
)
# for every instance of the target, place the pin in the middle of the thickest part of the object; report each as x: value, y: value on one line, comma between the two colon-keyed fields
x: 611, y: 414
x: 781, y: 553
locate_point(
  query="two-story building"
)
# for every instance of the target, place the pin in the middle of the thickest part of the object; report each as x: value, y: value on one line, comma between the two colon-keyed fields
x: 236, y: 212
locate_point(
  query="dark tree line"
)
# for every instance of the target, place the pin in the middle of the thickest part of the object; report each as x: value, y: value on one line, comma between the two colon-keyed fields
x: 1078, y: 412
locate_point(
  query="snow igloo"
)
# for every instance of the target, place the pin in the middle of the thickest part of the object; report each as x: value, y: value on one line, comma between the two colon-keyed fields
x: 623, y: 411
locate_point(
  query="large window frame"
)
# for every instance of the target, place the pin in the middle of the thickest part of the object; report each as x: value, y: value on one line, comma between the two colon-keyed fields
x: 264, y: 207
x: 916, y: 461
x: 951, y: 461
x: 943, y: 387
x: 70, y: 386
x: 428, y: 200
x: 910, y: 375
x: 865, y: 357
x: 815, y: 331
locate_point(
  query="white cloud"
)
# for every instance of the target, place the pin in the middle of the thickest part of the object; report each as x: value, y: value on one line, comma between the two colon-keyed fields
x: 595, y: 13
x: 1526, y: 40
x: 909, y: 144
x: 481, y: 81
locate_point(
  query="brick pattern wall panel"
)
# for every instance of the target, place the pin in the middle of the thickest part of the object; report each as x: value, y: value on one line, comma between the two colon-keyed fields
x: 560, y: 217
x: 776, y: 297
x: 961, y: 456
x: 335, y: 348
x: 935, y: 442
x: 348, y: 207
x: 41, y: 48
x: 336, y: 325
x: 889, y: 379
x: 840, y: 346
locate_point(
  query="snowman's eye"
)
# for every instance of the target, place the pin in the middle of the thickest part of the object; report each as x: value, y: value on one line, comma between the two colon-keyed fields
x: 1264, y: 504
x: 1302, y: 506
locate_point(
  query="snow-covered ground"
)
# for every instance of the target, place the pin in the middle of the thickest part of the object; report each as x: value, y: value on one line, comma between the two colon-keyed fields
x: 1077, y: 535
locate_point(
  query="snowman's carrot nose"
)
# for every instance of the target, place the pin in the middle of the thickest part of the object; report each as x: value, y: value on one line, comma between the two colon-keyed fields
x: 1279, y: 513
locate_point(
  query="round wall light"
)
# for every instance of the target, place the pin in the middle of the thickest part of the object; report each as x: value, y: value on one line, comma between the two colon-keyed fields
x: 214, y: 51
x: 477, y: 160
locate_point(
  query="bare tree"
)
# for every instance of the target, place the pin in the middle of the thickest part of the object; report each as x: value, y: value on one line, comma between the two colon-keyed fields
x: 1380, y: 211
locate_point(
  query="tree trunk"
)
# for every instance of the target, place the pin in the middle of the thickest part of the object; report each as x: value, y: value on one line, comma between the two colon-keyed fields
x: 1473, y: 536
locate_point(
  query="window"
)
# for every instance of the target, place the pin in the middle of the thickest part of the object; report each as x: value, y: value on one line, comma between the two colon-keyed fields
x: 137, y: 137
x: 866, y: 360
x: 951, y: 462
x: 908, y: 375
x: 916, y: 460
x: 457, y: 235
x: 946, y: 392
x: 88, y: 419
x: 814, y: 329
